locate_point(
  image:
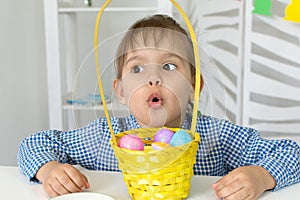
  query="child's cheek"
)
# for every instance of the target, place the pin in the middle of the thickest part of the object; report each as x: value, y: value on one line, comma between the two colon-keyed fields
x: 178, y: 84
x: 131, y: 83
x: 181, y: 88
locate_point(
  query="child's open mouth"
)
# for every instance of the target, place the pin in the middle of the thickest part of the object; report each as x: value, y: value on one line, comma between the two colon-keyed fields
x: 155, y: 100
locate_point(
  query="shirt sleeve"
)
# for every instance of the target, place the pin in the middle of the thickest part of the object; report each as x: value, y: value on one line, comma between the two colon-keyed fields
x: 244, y: 146
x: 79, y: 146
x: 38, y: 149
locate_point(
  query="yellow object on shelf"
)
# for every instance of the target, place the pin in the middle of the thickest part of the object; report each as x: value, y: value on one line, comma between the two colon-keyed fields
x: 292, y: 11
x: 150, y: 174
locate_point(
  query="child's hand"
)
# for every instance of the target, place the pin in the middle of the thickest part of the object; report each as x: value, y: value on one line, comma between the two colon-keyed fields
x: 247, y: 182
x: 60, y: 179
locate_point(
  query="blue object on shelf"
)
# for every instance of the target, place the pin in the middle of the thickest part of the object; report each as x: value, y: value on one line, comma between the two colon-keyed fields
x: 77, y: 101
x: 90, y: 99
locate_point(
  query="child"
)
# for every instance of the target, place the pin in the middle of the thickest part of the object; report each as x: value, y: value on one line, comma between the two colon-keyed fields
x: 155, y: 78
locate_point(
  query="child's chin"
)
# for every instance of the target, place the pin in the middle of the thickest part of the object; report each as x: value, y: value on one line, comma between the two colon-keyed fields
x: 158, y: 117
x: 156, y: 106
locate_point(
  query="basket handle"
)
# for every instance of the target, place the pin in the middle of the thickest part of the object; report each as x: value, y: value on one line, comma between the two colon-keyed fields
x: 197, y: 64
x: 196, y: 58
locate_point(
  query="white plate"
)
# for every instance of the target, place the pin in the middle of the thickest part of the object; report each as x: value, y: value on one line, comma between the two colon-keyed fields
x: 83, y: 196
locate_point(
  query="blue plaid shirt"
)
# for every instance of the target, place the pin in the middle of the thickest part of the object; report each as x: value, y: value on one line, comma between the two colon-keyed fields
x: 223, y: 147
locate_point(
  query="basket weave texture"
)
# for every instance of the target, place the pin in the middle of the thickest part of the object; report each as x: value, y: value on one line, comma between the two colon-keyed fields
x: 163, y: 174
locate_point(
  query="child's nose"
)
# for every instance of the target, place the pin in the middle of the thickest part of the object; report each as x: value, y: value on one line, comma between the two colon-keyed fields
x: 156, y: 82
x: 154, y: 77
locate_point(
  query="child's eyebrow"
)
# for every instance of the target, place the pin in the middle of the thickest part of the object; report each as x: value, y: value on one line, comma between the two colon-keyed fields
x: 168, y: 55
x: 165, y: 56
x: 131, y: 59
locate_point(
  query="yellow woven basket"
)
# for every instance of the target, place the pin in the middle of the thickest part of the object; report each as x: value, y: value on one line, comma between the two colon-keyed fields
x: 151, y: 174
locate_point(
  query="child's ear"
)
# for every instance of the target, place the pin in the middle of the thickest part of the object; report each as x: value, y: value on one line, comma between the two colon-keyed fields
x: 201, y: 87
x: 118, y: 88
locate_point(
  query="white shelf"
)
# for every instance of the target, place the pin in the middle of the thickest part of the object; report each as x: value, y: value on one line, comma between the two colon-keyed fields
x: 97, y: 107
x: 112, y: 110
x: 112, y: 9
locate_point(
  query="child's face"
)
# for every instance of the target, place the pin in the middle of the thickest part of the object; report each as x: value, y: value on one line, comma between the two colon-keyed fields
x: 156, y: 85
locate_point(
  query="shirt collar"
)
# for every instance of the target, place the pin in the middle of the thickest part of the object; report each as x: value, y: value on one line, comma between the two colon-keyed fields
x: 133, y: 124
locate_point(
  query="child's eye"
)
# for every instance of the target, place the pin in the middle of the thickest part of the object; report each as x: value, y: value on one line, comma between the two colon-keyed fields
x: 137, y: 69
x: 169, y: 67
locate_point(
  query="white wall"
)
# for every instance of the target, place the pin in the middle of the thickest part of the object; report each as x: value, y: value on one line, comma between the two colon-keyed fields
x: 23, y: 102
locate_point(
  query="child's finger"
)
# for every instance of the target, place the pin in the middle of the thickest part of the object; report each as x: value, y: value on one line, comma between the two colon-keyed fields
x: 49, y: 190
x: 63, y: 185
x: 238, y: 195
x: 77, y: 177
x: 227, y: 186
x: 229, y: 191
x: 223, y: 182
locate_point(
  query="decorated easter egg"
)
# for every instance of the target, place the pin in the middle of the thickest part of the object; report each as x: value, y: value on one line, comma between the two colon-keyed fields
x: 159, y: 145
x: 163, y: 135
x: 132, y: 142
x: 181, y: 137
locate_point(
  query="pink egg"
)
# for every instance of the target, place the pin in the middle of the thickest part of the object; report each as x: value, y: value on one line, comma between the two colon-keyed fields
x: 163, y: 135
x: 132, y: 142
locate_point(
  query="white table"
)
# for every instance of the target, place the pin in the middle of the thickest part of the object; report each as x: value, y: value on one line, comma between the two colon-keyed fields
x: 14, y: 185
